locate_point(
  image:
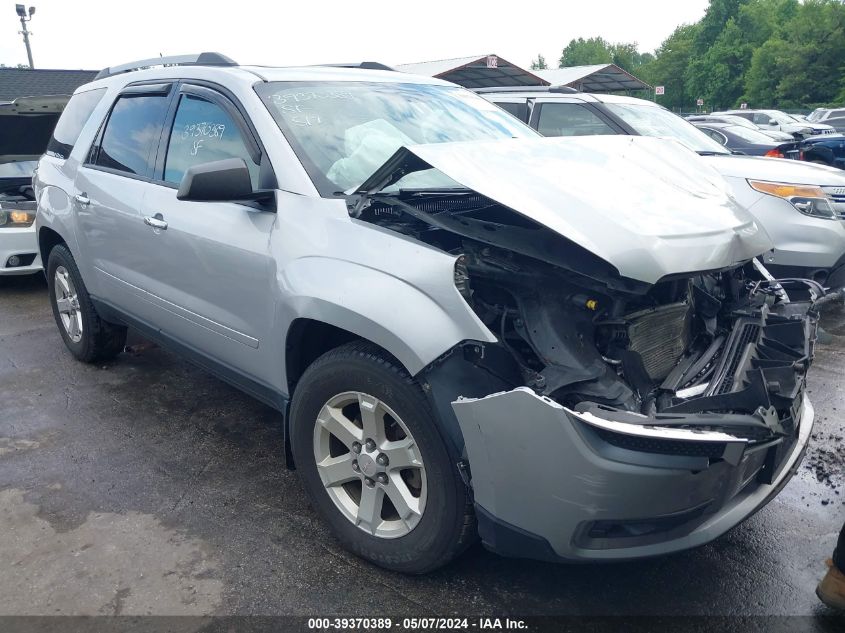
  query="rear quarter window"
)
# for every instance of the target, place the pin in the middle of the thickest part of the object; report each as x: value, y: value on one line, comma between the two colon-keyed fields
x: 73, y: 119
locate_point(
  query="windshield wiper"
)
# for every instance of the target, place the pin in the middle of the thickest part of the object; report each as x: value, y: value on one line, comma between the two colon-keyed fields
x: 711, y: 153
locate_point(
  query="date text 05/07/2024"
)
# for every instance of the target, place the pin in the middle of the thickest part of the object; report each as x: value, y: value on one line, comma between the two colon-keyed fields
x: 423, y: 624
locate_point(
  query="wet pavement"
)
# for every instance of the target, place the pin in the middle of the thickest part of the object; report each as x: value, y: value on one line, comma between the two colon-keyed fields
x: 145, y: 485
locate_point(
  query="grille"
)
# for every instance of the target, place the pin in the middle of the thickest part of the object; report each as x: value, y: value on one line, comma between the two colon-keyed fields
x: 660, y: 336
x: 712, y: 450
x: 749, y: 334
x: 838, y: 196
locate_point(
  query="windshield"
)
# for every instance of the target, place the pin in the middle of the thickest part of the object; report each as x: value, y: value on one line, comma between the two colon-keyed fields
x: 738, y: 120
x: 780, y: 117
x: 655, y: 121
x: 344, y: 131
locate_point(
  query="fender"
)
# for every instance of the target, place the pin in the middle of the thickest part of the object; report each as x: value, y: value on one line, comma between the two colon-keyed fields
x: 414, y: 325
x: 55, y: 211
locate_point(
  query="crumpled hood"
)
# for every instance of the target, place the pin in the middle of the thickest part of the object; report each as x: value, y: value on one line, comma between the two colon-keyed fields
x: 649, y: 207
x: 776, y: 170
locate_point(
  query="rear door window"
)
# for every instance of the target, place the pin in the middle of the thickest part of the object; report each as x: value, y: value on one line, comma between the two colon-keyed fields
x: 570, y: 119
x: 203, y: 132
x: 132, y: 134
x: 74, y: 117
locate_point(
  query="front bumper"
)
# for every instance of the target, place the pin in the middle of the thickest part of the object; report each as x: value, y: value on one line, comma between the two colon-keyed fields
x: 22, y: 242
x: 547, y: 484
x: 833, y: 277
x: 814, y: 246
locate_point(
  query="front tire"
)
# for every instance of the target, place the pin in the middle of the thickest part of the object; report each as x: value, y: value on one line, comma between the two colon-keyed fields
x: 374, y: 464
x: 88, y: 337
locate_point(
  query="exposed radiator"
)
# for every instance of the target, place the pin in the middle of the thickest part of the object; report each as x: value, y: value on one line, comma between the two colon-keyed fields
x: 660, y: 336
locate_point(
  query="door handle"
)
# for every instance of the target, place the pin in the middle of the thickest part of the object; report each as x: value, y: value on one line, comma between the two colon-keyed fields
x: 156, y: 221
x: 82, y: 199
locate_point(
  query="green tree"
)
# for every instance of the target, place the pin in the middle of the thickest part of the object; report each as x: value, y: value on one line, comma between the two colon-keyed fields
x: 539, y: 63
x: 802, y: 64
x: 581, y: 52
x: 669, y: 65
x: 715, y: 18
x: 717, y: 76
x: 761, y: 81
x: 626, y: 55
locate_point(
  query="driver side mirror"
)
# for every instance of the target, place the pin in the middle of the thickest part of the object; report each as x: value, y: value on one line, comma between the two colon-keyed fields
x: 773, y: 123
x: 220, y: 181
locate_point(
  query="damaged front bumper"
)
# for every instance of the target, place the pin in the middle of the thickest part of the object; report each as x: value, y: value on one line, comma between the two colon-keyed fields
x: 557, y: 484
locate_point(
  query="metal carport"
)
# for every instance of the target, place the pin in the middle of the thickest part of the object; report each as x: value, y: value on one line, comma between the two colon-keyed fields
x: 477, y: 71
x: 595, y: 78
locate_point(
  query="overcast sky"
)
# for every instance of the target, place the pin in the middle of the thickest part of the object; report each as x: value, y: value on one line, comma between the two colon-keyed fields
x: 92, y: 34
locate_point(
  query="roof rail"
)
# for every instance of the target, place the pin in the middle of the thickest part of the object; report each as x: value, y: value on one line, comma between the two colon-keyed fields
x: 201, y: 59
x: 362, y: 65
x: 495, y: 89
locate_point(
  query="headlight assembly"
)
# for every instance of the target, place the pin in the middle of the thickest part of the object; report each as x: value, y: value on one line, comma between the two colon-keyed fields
x: 462, y: 277
x: 10, y: 218
x: 808, y: 199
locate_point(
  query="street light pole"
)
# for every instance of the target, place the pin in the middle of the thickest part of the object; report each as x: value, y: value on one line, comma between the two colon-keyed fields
x: 21, y: 11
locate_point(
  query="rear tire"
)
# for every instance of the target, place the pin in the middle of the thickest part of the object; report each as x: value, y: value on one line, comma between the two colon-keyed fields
x: 88, y: 337
x: 342, y: 383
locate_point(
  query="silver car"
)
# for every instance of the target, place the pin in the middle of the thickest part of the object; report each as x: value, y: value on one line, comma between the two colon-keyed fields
x: 565, y: 346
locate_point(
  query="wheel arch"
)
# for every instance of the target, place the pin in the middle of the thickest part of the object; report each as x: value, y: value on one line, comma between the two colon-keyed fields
x: 307, y: 340
x: 48, y: 239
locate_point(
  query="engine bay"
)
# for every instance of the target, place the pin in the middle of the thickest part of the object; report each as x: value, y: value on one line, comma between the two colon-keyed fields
x: 727, y: 342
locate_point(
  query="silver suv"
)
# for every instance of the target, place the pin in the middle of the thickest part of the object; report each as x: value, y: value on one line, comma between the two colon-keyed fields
x: 566, y: 346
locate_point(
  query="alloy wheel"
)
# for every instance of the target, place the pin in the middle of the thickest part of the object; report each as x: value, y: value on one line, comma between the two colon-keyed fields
x: 67, y: 303
x: 370, y: 464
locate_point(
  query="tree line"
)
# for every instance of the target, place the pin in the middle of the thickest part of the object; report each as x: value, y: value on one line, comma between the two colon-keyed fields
x: 767, y: 53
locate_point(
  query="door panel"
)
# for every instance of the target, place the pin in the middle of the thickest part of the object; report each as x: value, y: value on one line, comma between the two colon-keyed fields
x: 209, y: 273
x: 110, y: 192
x: 110, y: 232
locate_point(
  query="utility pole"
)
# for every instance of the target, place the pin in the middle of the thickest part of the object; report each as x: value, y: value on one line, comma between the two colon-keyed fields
x: 21, y: 11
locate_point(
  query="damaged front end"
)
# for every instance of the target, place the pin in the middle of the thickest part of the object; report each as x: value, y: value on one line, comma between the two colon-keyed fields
x: 616, y: 417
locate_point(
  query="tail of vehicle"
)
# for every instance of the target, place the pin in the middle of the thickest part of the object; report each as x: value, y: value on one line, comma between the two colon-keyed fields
x: 785, y: 150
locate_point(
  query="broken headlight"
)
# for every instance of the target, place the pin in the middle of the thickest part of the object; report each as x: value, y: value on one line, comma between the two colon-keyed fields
x: 808, y: 199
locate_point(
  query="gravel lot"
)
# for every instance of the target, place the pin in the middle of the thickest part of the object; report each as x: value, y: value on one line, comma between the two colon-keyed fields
x: 147, y: 486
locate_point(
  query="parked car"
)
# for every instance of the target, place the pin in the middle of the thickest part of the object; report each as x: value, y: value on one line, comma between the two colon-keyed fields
x: 824, y: 150
x: 462, y: 328
x: 800, y: 205
x: 738, y: 120
x: 777, y: 120
x: 25, y: 128
x: 822, y: 115
x: 747, y: 141
x: 838, y: 124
